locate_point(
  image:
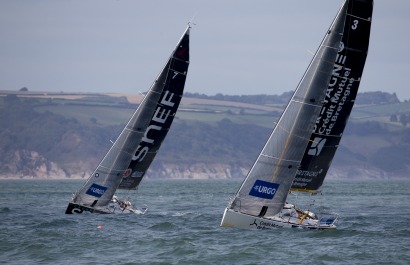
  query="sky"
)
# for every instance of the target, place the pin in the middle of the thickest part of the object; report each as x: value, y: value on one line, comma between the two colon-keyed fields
x: 237, y: 47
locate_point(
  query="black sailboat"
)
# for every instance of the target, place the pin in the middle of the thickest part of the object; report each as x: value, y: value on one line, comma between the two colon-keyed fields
x: 130, y: 156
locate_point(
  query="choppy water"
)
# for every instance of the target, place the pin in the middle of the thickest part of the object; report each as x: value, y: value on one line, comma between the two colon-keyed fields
x: 182, y: 227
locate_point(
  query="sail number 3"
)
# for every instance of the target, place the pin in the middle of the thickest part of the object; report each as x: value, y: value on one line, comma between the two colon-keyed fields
x: 355, y: 23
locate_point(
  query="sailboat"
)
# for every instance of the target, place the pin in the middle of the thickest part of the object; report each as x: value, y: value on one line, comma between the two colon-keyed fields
x: 301, y: 147
x: 130, y: 156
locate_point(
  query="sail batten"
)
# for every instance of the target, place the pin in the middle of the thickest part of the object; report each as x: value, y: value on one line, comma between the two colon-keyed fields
x: 358, y: 17
x: 306, y: 103
x: 282, y: 159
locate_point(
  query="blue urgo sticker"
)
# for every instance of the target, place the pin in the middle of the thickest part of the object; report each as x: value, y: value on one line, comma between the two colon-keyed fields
x: 96, y: 190
x: 264, y: 189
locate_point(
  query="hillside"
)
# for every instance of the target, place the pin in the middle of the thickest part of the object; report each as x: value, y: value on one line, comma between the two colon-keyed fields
x: 49, y: 135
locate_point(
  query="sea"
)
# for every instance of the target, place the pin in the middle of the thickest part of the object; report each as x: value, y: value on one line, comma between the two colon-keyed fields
x: 182, y: 226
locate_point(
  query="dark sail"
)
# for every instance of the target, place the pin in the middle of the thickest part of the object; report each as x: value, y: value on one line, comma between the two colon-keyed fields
x: 340, y: 97
x: 171, y: 82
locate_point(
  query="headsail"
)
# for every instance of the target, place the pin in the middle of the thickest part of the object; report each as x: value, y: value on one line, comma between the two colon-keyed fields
x: 132, y: 153
x: 265, y: 189
x: 340, y: 97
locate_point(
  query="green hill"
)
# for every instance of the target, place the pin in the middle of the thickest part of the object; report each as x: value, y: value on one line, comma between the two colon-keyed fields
x: 44, y: 135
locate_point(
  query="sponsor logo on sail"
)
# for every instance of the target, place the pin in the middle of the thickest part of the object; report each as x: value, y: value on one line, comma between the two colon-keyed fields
x: 96, y: 190
x: 316, y: 146
x: 341, y: 87
x: 264, y: 189
x: 164, y: 110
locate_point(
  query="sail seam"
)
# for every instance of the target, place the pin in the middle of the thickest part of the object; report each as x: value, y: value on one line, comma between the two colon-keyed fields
x: 329, y: 135
x: 365, y: 19
x: 175, y: 58
x: 309, y: 104
x: 111, y: 169
x: 132, y: 130
x: 347, y: 78
x: 353, y: 50
x: 157, y: 92
x: 277, y: 158
x: 331, y: 47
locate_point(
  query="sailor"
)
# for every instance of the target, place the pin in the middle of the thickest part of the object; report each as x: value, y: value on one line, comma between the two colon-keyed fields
x: 311, y: 215
x: 127, y: 203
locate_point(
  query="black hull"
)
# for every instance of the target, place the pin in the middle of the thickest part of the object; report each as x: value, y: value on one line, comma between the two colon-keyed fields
x: 74, y: 208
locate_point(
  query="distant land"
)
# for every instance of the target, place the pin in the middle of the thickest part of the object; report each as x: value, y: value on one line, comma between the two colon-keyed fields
x: 61, y: 135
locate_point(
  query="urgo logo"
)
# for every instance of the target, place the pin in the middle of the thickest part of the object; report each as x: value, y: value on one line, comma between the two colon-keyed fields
x: 96, y: 190
x: 264, y: 189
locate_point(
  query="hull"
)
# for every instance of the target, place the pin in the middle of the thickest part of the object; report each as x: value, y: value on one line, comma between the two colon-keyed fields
x: 235, y: 219
x: 74, y: 208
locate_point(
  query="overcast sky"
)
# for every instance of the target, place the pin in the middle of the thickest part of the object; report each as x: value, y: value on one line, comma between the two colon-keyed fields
x: 237, y: 46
